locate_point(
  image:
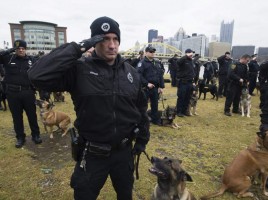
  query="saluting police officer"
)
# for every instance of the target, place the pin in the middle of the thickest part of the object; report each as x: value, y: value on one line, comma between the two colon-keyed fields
x: 152, y: 79
x: 237, y: 78
x: 110, y: 106
x: 19, y: 91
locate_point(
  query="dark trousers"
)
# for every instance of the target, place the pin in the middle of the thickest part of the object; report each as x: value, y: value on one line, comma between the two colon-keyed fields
x: 233, y: 97
x: 184, y: 95
x: 223, y: 84
x: 264, y: 108
x: 19, y: 101
x: 153, y: 95
x: 252, y: 84
x: 120, y: 166
x: 173, y: 75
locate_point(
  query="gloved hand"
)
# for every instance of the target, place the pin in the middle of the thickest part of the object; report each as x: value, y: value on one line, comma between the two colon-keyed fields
x: 91, y: 42
x: 138, y: 148
x: 9, y: 51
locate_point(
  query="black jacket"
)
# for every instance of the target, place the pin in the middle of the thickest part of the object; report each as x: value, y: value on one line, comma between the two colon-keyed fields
x: 108, y: 100
x: 16, y: 68
x: 263, y: 76
x: 151, y: 72
x: 224, y: 65
x: 173, y: 63
x: 185, y: 70
x: 236, y: 72
x: 253, y: 68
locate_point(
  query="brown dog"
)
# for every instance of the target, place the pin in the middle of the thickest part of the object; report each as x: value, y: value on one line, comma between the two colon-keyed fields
x: 237, y: 177
x: 52, y: 118
x: 171, y: 180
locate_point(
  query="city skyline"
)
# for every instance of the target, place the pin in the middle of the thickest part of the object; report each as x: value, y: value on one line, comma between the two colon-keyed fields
x: 135, y: 20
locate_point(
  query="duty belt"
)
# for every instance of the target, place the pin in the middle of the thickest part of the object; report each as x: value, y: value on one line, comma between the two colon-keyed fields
x: 18, y: 87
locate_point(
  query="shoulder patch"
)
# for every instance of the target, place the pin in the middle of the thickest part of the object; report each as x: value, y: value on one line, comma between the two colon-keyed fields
x: 139, y: 64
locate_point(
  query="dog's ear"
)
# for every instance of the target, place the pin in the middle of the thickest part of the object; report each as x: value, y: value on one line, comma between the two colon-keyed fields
x: 184, y: 176
x: 261, y: 134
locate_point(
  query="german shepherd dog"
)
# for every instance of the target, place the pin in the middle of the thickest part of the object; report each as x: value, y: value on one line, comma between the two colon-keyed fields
x: 237, y: 177
x: 193, y: 101
x: 212, y: 88
x: 58, y: 96
x: 166, y: 117
x: 52, y: 118
x: 171, y: 180
x: 245, y: 102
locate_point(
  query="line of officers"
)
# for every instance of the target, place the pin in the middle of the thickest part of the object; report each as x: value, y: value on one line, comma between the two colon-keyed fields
x: 233, y: 75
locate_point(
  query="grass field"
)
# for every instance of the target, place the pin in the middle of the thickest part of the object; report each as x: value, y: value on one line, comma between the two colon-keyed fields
x: 205, y: 143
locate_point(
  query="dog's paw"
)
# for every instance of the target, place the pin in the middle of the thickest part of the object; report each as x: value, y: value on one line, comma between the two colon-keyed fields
x: 51, y: 136
x: 248, y: 116
x: 265, y: 193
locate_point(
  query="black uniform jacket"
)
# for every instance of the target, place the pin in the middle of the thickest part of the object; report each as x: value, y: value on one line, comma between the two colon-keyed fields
x: 236, y: 72
x: 108, y: 100
x: 185, y: 70
x: 16, y: 68
x: 151, y: 72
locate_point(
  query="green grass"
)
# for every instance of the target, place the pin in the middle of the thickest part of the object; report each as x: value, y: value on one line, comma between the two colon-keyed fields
x: 206, y: 143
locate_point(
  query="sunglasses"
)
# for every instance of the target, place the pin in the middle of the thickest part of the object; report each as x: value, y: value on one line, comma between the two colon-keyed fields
x: 152, y: 51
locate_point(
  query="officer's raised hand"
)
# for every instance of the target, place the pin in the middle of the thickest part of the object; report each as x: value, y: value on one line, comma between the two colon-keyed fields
x: 9, y: 51
x: 91, y: 42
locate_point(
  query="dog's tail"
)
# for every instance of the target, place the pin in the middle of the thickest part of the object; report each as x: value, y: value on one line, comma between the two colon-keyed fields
x: 220, y: 192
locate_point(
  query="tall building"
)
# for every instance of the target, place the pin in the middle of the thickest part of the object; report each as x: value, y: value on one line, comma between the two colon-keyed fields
x: 262, y: 51
x: 217, y: 49
x: 152, y: 34
x: 38, y: 35
x: 198, y: 43
x: 226, y: 33
x: 179, y: 35
x: 238, y: 51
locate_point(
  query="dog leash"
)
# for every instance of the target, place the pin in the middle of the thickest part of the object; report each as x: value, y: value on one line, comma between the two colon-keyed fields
x: 137, y: 161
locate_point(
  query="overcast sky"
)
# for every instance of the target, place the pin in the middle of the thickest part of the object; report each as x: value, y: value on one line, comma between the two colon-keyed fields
x: 137, y: 17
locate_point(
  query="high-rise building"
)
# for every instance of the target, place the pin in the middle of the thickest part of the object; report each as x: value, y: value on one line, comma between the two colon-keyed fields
x: 38, y: 35
x: 262, y: 51
x: 179, y: 35
x: 217, y: 49
x: 152, y: 34
x: 226, y: 33
x: 238, y: 51
x: 198, y: 43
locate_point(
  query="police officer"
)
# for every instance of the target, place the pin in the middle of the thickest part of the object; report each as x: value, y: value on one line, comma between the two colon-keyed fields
x: 237, y: 78
x: 253, y: 69
x: 137, y: 61
x: 173, y: 69
x: 208, y: 72
x: 152, y: 80
x: 225, y: 62
x: 19, y: 91
x: 185, y: 77
x: 263, y: 79
x: 109, y: 105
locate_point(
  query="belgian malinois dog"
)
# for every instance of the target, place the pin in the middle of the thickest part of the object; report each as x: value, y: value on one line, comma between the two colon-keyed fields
x: 52, y: 118
x: 237, y: 177
x: 171, y: 180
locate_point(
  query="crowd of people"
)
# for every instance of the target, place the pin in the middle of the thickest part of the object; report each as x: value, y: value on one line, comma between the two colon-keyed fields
x: 110, y: 96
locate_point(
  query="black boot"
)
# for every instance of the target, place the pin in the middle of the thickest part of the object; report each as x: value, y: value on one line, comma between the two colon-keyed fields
x: 37, y: 139
x: 20, y: 142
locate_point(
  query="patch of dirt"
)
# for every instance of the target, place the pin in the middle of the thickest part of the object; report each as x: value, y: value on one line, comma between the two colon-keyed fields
x: 52, y: 153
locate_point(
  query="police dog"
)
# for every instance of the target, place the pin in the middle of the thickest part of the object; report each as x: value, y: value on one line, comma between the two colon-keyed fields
x: 58, y: 96
x: 166, y: 117
x: 171, y: 180
x: 52, y: 118
x: 237, y: 177
x: 193, y: 102
x: 212, y: 88
x: 245, y: 102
